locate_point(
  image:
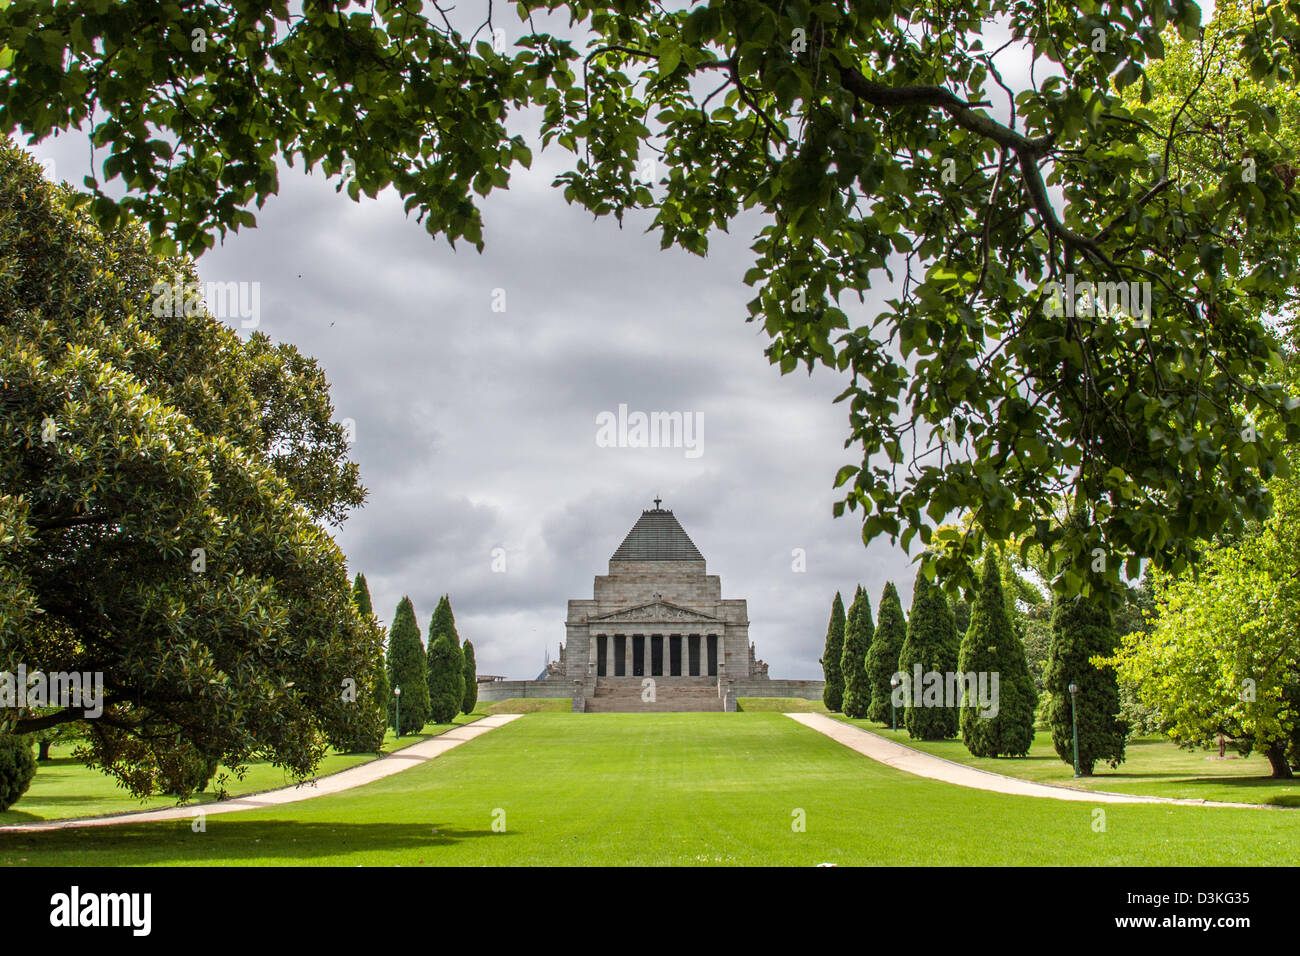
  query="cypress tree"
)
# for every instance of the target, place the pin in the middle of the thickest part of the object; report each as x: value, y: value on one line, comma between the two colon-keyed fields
x: 371, y: 739
x: 990, y: 646
x: 882, y: 659
x: 931, y: 643
x: 833, y: 691
x: 446, y: 679
x: 1081, y: 629
x: 858, y: 633
x: 471, y: 680
x: 406, y: 669
x: 443, y: 624
x: 361, y: 596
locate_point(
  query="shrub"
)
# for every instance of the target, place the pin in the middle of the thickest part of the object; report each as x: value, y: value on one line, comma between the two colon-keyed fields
x: 17, y: 767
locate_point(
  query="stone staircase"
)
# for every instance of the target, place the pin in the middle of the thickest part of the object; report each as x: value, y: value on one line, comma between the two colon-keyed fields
x: 672, y: 694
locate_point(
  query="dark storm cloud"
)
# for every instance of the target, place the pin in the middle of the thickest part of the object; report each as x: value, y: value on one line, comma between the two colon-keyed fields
x: 476, y: 430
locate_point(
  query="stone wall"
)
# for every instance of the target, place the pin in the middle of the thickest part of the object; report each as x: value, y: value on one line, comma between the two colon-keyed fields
x: 808, y: 689
x: 506, y: 689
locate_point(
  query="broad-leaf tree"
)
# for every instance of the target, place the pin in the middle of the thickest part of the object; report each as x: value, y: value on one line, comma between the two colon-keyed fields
x: 1221, y: 655
x: 878, y: 147
x: 162, y: 495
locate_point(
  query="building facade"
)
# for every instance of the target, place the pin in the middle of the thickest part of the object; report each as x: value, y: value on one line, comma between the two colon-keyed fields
x: 657, y: 614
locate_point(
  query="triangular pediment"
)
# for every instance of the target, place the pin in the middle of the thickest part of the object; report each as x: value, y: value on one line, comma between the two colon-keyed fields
x: 655, y: 612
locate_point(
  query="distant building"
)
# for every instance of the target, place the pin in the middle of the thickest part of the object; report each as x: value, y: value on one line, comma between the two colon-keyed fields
x: 657, y: 634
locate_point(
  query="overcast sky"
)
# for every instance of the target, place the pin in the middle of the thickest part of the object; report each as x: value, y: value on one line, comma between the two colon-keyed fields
x: 477, y: 429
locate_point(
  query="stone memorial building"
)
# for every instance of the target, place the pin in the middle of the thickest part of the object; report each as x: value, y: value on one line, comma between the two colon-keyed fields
x: 657, y: 614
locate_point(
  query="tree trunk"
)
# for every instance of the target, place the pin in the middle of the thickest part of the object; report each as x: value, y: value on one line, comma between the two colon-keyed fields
x: 1277, y: 758
x: 42, y: 750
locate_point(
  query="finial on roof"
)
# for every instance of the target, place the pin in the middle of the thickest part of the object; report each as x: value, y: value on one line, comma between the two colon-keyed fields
x: 657, y: 501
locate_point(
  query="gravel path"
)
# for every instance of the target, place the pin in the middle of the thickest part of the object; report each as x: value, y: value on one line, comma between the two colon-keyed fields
x: 921, y: 764
x: 357, y: 776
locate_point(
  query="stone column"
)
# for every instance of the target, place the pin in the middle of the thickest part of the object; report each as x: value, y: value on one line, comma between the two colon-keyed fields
x: 593, y: 657
x: 627, y: 654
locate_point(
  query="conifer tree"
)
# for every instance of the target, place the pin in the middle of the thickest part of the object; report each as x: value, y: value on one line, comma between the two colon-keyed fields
x: 1081, y: 630
x: 833, y: 691
x: 932, y: 644
x: 859, y: 630
x: 406, y: 670
x: 990, y: 646
x: 361, y: 596
x: 443, y: 624
x: 882, y: 659
x: 362, y: 729
x: 471, y: 680
x: 446, y: 679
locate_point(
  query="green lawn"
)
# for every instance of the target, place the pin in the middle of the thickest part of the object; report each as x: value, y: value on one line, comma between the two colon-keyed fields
x: 64, y: 788
x: 1152, y: 766
x: 654, y: 789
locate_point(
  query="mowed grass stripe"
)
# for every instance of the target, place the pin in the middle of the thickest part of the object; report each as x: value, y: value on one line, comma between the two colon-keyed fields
x: 675, y: 789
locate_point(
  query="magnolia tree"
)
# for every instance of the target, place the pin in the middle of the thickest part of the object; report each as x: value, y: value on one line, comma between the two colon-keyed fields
x: 162, y: 496
x: 1071, y: 312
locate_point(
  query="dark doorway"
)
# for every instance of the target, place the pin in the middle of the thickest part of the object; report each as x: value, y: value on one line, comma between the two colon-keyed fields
x: 620, y: 655
x: 713, y: 655
x: 602, y: 655
x: 638, y: 655
x: 693, y: 654
x: 675, y: 656
x: 656, y: 655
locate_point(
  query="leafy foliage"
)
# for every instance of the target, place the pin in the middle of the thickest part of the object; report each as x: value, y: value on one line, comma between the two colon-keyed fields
x: 1220, y: 655
x: 152, y: 528
x: 833, y: 688
x: 990, y: 646
x: 931, y: 643
x: 863, y: 135
x: 882, y: 658
x: 17, y: 768
x: 1082, y: 637
x: 407, y: 670
x: 858, y: 633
